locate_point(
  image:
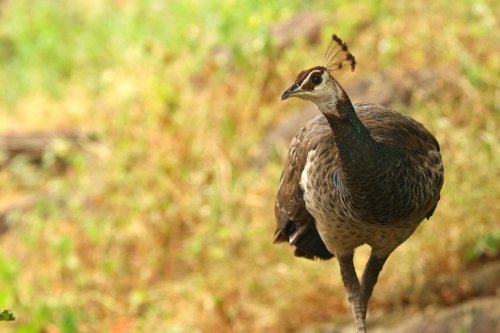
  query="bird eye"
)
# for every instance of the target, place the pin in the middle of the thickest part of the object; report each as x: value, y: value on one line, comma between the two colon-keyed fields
x: 316, y: 79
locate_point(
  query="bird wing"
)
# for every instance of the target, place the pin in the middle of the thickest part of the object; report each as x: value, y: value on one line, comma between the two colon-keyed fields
x: 294, y: 223
x: 393, y: 129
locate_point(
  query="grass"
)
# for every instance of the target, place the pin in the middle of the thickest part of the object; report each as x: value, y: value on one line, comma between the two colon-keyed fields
x: 163, y: 226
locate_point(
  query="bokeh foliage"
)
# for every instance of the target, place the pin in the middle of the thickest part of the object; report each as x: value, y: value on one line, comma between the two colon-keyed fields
x: 163, y: 226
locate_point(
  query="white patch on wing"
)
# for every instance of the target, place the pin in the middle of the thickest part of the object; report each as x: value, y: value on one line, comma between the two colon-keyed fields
x: 304, y: 177
x: 293, y: 237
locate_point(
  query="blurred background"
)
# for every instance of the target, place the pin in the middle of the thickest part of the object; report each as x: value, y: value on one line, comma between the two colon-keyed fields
x: 141, y: 143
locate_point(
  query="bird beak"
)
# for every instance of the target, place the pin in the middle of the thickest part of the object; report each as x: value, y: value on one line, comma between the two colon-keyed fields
x: 290, y: 91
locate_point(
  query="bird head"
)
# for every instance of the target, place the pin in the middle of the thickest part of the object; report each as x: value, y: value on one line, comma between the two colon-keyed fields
x: 313, y: 84
x: 317, y: 84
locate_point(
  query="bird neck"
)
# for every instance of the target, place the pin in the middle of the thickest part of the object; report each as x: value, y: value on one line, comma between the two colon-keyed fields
x: 357, y: 150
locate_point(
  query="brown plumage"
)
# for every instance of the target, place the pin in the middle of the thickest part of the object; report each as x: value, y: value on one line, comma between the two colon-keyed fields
x: 357, y: 174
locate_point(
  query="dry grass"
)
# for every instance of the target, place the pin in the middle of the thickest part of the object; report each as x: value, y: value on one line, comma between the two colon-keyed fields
x: 163, y: 227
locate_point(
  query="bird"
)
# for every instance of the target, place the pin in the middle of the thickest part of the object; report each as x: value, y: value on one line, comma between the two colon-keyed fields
x: 355, y: 174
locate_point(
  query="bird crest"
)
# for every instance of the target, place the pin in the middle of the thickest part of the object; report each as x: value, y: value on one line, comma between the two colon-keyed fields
x: 337, y: 56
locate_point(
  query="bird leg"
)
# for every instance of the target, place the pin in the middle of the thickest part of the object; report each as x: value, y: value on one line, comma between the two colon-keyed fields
x: 353, y: 289
x: 369, y: 279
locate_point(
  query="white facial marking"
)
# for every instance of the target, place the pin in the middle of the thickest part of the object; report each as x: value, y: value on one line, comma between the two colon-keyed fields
x: 308, y: 77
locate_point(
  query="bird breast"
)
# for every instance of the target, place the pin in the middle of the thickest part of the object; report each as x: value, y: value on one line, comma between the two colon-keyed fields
x: 340, y: 217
